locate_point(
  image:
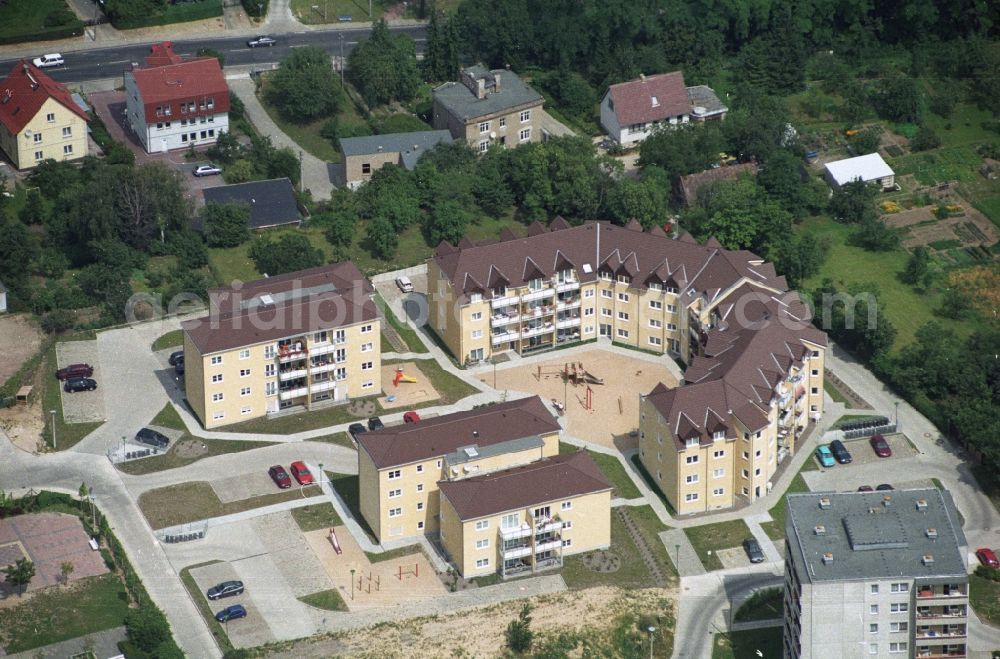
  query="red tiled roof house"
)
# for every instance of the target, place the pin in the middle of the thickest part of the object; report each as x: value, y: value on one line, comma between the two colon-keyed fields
x: 38, y: 119
x: 173, y: 103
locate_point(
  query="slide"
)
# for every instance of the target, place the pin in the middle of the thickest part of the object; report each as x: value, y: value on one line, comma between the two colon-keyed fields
x: 591, y: 379
x: 335, y: 542
x: 402, y: 377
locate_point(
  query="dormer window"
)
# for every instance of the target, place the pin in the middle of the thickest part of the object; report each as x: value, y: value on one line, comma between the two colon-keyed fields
x: 475, y: 297
x: 535, y: 284
x: 500, y: 291
x: 718, y: 434
x: 606, y: 275
x: 671, y: 289
x: 691, y: 442
x: 565, y: 276
x: 624, y: 279
x: 655, y: 101
x: 655, y: 286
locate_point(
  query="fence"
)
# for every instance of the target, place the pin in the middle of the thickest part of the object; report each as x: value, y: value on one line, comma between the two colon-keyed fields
x: 183, y: 533
x: 867, y: 427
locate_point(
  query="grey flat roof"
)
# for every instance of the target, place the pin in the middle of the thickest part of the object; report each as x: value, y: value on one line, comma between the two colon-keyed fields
x: 705, y: 97
x: 874, y: 537
x: 462, y: 455
x: 410, y: 146
x: 462, y: 103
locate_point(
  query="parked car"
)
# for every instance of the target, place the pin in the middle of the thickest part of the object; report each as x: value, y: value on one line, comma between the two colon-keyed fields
x: 75, y: 371
x: 375, y: 423
x: 262, y: 40
x: 753, y: 550
x: 280, y: 477
x: 404, y: 284
x: 880, y: 446
x: 152, y: 438
x: 884, y: 487
x: 840, y: 452
x: 356, y: 429
x: 866, y: 488
x: 410, y: 417
x: 225, y: 589
x: 301, y: 473
x: 73, y: 385
x: 987, y: 557
x: 176, y: 357
x: 231, y: 613
x: 46, y: 61
x: 824, y: 456
x: 207, y: 170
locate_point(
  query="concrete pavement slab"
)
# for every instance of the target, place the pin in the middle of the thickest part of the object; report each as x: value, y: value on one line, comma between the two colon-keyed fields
x: 679, y: 547
x: 81, y: 406
x: 279, y: 610
x: 288, y: 548
x: 243, y: 632
x: 243, y: 486
x: 224, y: 542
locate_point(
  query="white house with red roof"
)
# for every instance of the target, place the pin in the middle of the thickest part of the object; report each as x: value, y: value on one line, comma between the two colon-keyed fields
x: 38, y: 119
x: 631, y: 111
x: 172, y: 103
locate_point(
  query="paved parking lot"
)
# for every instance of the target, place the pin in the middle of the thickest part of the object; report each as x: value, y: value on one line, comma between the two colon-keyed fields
x: 287, y: 547
x: 863, y: 453
x: 244, y: 632
x: 81, y: 406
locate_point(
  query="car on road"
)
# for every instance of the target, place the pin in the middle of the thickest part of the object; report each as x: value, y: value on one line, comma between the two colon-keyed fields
x: 73, y: 385
x: 753, y: 550
x: 75, y: 371
x: 866, y: 488
x: 824, y: 456
x: 880, y: 446
x: 987, y: 557
x: 231, y: 613
x: 375, y: 423
x: 404, y: 284
x: 840, y: 452
x: 225, y: 589
x: 356, y: 429
x: 262, y: 40
x: 410, y: 417
x: 152, y: 438
x: 280, y: 477
x: 301, y: 473
x: 46, y: 61
x: 884, y: 487
x: 176, y: 357
x: 207, y: 170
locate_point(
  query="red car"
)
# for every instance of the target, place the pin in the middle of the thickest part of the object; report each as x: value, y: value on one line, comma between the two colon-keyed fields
x: 280, y: 477
x: 301, y: 473
x: 880, y: 446
x: 410, y: 417
x: 987, y: 557
x: 75, y: 371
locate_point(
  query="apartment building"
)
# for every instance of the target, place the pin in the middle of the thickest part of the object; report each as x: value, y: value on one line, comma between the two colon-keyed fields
x: 717, y: 439
x: 173, y: 103
x: 489, y: 107
x: 875, y: 574
x: 296, y: 341
x: 39, y: 120
x: 525, y: 519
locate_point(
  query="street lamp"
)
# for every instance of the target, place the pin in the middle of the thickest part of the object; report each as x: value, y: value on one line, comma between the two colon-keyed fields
x: 342, y: 62
x: 897, y: 416
x: 651, y: 629
x: 320, y: 476
x: 352, y: 584
x: 677, y: 554
x: 54, y: 445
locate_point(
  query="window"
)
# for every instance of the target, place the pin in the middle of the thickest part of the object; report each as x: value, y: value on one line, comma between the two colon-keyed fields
x: 482, y: 562
x: 693, y: 478
x: 623, y: 279
x: 246, y: 410
x: 216, y: 360
x: 245, y: 354
x: 366, y: 168
x: 873, y: 609
x: 899, y: 588
x: 38, y: 138
x: 606, y: 293
x: 67, y: 149
x: 269, y: 352
x: 671, y: 327
x: 898, y: 647
x: 899, y: 607
x: 605, y: 312
x: 589, y: 311
x: 482, y: 525
x: 245, y: 372
x: 484, y: 146
x: 477, y: 334
x: 873, y: 589
x: 217, y: 398
x: 718, y: 473
x: 568, y: 524
x: 899, y: 626
x: 622, y: 333
x: 340, y: 336
x: 395, y: 493
x: 815, y: 391
x: 39, y: 156
x: 815, y: 372
x: 340, y: 374
x: 438, y: 464
x: 873, y: 648
x: 271, y: 389
x: 655, y: 341
x: 366, y: 347
x: 568, y: 542
x: 566, y: 505
x: 483, y: 544
x: 477, y: 316
x: 691, y: 497
x: 623, y: 297
x: 719, y: 491
x: 525, y: 134
x: 366, y: 366
x: 691, y: 459
x: 184, y: 137
x: 622, y: 315
x: 420, y: 525
x: 653, y: 322
x: 68, y: 131
x: 525, y: 116
x: 655, y: 304
x: 503, y: 122
x: 756, y: 472
x: 420, y: 487
x: 219, y: 415
x: 873, y: 627
x: 484, y: 127
x: 394, y: 474
x: 395, y: 512
x: 217, y: 377
x: 50, y: 117
x: 746, y: 474
x: 672, y: 290
x: 719, y: 454
x: 245, y: 391
x: 589, y: 293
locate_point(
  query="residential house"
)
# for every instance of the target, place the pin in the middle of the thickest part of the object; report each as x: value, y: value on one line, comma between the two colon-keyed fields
x: 686, y: 190
x: 173, y: 103
x: 870, y: 168
x: 489, y: 107
x: 631, y: 111
x: 300, y: 340
x: 39, y: 119
x: 875, y: 574
x: 272, y: 203
x: 363, y: 156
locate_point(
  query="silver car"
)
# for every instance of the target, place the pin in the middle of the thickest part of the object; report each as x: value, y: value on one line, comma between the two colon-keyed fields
x: 207, y: 170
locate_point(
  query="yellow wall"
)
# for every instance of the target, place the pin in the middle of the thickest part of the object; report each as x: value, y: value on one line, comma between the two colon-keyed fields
x: 194, y: 374
x: 369, y: 491
x: 21, y: 149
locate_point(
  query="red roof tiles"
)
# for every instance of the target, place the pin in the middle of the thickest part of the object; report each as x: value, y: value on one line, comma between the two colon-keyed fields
x: 169, y: 83
x: 23, y: 93
x: 650, y: 98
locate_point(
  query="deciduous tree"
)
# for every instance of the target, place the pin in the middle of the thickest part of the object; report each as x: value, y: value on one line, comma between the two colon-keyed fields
x: 287, y: 253
x: 304, y: 86
x: 226, y: 225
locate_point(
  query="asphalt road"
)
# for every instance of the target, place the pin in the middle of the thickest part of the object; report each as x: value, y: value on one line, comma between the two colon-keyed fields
x: 112, y: 62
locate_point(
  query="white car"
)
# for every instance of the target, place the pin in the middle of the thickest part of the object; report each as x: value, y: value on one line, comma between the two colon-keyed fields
x: 404, y: 284
x: 207, y: 170
x: 45, y: 61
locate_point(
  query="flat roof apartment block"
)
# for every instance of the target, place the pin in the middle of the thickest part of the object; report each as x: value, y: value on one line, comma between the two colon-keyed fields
x: 295, y: 341
x: 875, y: 574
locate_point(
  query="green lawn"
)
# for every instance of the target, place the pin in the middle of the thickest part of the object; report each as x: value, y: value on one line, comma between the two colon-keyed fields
x: 958, y: 163
x: 59, y: 613
x: 67, y: 434
x: 984, y: 596
x: 847, y: 418
x: 652, y: 484
x: 306, y: 135
x: 835, y: 394
x: 776, y: 529
x: 622, y: 485
x: 406, y: 333
x: 196, y: 500
x: 168, y: 417
x: 713, y: 537
x: 25, y: 19
x: 330, y: 11
x: 292, y: 423
x: 766, y: 604
x: 393, y: 554
x: 346, y: 485
x: 339, y: 438
x: 320, y: 516
x: 174, y: 339
x: 990, y: 207
x: 450, y: 388
x: 746, y: 645
x: 215, y: 627
x: 328, y: 600
x: 964, y: 126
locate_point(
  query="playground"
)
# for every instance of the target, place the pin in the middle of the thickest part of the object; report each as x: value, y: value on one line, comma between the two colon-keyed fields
x: 405, y: 385
x: 386, y: 583
x: 596, y: 391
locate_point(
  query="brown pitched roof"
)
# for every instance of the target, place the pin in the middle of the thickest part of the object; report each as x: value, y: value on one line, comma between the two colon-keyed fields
x: 25, y: 90
x: 342, y: 276
x: 399, y: 445
x: 553, y: 479
x: 650, y: 98
x: 690, y: 185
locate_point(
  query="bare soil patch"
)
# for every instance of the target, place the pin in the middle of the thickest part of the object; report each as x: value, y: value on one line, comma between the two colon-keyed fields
x: 20, y: 338
x: 407, y: 394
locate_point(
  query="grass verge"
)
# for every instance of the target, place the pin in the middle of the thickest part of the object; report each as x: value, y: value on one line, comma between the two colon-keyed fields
x: 407, y: 333
x: 215, y: 627
x: 339, y: 438
x: 196, y: 500
x: 300, y: 422
x: 393, y: 554
x: 749, y: 644
x: 652, y: 484
x: 847, y: 418
x: 984, y: 596
x: 766, y: 604
x: 713, y: 537
x: 313, y: 518
x: 622, y: 486
x: 67, y: 434
x: 775, y: 529
x: 173, y: 339
x: 59, y: 613
x: 328, y: 600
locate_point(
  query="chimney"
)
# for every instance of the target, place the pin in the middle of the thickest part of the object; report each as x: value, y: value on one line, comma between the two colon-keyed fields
x: 932, y: 533
x: 819, y: 529
x: 642, y: 77
x: 480, y: 88
x: 928, y: 559
x: 922, y: 505
x: 887, y: 500
x: 828, y: 558
x: 824, y: 503
x: 496, y: 82
x: 475, y: 433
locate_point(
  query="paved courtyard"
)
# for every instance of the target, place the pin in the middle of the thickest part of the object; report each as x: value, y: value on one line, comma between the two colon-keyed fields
x: 48, y: 540
x: 81, y: 406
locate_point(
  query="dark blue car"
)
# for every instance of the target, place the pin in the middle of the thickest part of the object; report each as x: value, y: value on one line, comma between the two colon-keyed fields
x: 231, y: 613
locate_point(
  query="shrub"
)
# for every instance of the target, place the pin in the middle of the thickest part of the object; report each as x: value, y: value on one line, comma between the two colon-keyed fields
x: 58, y: 320
x: 925, y: 139
x: 256, y: 8
x: 519, y: 634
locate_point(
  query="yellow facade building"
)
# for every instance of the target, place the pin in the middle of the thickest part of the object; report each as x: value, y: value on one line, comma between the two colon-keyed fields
x: 39, y: 119
x: 296, y: 341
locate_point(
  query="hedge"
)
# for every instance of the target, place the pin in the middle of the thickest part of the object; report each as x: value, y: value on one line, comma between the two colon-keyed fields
x: 254, y: 7
x: 179, y: 13
x: 46, y: 34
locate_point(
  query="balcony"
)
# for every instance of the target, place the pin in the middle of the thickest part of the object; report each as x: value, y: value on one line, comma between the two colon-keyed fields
x: 498, y: 302
x: 537, y: 312
x: 537, y: 295
x: 940, y: 594
x: 568, y: 322
x: 286, y: 354
x: 933, y: 634
x: 567, y: 286
x: 326, y: 385
x: 548, y: 545
x: 519, y: 551
x: 942, y: 614
x: 568, y: 304
x: 505, y: 336
x: 504, y: 318
x: 324, y: 348
x: 522, y: 531
x: 288, y: 394
x: 546, y: 525
x: 323, y: 368
x: 535, y: 331
x: 291, y: 374
x: 930, y: 654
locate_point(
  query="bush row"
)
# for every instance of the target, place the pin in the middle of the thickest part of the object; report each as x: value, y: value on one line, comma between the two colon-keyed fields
x: 46, y: 34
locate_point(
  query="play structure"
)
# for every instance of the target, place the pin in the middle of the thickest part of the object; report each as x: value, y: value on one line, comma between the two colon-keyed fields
x: 402, y: 573
x: 377, y: 582
x: 572, y: 372
x: 402, y: 377
x: 335, y: 542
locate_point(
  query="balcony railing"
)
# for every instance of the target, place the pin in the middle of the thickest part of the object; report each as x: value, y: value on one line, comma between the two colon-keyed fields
x: 326, y: 385
x: 537, y: 295
x: 324, y: 368
x: 517, y: 552
x: 567, y: 286
x: 545, y: 525
x: 935, y: 594
x: 324, y: 348
x: 568, y: 322
x: 937, y: 615
x: 931, y: 634
x: 287, y: 355
x: 504, y: 319
x: 537, y: 312
x: 291, y: 374
x: 288, y: 394
x: 522, y: 531
x: 939, y: 655
x: 505, y: 336
x: 498, y: 302
x: 535, y: 331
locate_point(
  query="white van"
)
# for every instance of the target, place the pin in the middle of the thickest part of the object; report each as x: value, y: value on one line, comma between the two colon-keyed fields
x: 404, y: 284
